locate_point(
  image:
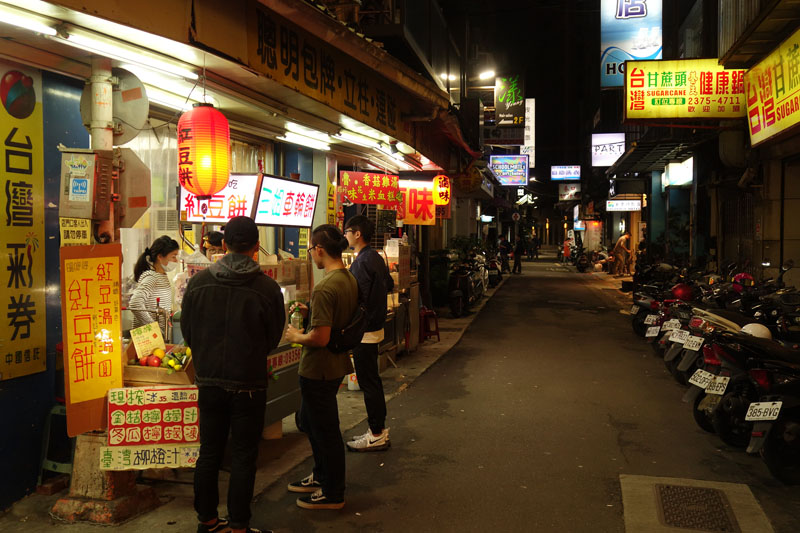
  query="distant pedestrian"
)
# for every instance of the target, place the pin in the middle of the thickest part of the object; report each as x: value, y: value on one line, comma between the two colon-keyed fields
x: 232, y: 317
x: 333, y: 303
x: 504, y: 247
x: 519, y: 251
x: 621, y: 254
x: 374, y: 283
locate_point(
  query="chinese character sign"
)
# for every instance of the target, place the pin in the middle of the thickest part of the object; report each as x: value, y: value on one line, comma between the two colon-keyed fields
x: 146, y: 457
x: 417, y: 206
x: 629, y: 29
x: 510, y: 170
x: 773, y: 104
x: 509, y: 100
x: 22, y: 239
x: 369, y: 188
x: 284, y: 202
x: 565, y: 172
x: 90, y: 305
x: 235, y: 200
x: 690, y: 88
x: 75, y: 231
x: 153, y: 415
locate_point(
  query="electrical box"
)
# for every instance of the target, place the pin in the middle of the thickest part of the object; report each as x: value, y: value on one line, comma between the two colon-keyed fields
x: 86, y: 184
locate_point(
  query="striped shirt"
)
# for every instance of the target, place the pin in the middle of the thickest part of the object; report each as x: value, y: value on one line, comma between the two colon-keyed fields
x: 153, y: 290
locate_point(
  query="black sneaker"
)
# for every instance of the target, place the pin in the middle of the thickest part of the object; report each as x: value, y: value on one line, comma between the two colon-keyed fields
x: 219, y: 526
x: 318, y: 501
x: 307, y: 484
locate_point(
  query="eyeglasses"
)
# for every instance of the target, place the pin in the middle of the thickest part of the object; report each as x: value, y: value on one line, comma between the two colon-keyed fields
x: 348, y: 230
x: 315, y: 246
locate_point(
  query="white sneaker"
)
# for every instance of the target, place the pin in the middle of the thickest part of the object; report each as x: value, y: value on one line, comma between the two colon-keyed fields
x: 369, y: 443
x: 363, y: 435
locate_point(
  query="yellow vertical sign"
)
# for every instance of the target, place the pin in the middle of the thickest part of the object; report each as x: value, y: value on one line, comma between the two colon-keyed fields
x: 23, y: 329
x: 90, y: 295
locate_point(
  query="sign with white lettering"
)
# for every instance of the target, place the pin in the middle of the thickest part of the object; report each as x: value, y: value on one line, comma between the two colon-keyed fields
x: 285, y: 202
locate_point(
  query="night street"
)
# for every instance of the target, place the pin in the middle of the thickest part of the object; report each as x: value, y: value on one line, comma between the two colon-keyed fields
x: 527, y: 425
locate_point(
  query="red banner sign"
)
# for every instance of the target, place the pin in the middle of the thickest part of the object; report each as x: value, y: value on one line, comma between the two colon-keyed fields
x: 152, y: 415
x: 369, y: 188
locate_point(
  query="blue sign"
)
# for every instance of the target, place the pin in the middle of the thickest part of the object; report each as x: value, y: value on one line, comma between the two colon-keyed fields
x: 79, y: 189
x: 565, y: 172
x: 629, y: 29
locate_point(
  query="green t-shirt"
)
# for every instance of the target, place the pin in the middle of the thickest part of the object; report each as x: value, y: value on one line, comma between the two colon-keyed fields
x: 333, y: 303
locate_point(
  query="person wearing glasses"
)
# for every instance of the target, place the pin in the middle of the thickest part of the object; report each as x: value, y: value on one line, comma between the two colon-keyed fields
x: 374, y: 282
x: 333, y: 303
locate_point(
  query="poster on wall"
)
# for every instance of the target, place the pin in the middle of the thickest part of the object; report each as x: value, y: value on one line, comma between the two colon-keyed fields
x: 690, y: 88
x: 235, y: 200
x: 773, y: 104
x: 629, y: 29
x: 509, y: 100
x: 22, y: 263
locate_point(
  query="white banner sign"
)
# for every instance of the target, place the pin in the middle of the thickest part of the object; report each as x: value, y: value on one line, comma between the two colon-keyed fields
x: 606, y: 148
x: 236, y: 199
x: 285, y: 202
x: 529, y: 138
x: 623, y: 205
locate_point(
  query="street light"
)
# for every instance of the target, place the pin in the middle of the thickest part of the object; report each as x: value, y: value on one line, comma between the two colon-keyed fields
x: 486, y: 75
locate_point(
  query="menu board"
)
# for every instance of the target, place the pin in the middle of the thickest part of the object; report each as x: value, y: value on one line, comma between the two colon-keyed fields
x: 153, y: 415
x: 235, y: 200
x: 285, y: 202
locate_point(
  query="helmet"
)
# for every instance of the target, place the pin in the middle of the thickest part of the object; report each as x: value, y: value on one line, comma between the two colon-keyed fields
x: 682, y: 291
x: 741, y: 280
x: 757, y: 330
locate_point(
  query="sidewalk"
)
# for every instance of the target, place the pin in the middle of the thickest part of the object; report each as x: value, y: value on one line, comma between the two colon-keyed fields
x: 276, y: 457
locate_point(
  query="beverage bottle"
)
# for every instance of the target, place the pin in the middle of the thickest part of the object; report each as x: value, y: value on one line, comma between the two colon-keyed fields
x: 296, y: 320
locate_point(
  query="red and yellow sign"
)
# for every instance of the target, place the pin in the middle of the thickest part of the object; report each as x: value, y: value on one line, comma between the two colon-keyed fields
x: 773, y: 92
x: 417, y: 206
x: 153, y: 415
x: 90, y: 306
x: 22, y: 292
x: 369, y: 188
x: 689, y: 88
x: 441, y: 190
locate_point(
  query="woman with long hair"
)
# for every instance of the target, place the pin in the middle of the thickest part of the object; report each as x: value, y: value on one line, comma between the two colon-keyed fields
x: 153, y: 288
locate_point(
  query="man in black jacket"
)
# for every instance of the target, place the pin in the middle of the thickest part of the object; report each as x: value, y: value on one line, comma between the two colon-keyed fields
x: 374, y: 283
x: 232, y: 317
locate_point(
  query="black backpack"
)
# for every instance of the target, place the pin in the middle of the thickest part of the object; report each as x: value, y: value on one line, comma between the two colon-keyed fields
x: 348, y: 337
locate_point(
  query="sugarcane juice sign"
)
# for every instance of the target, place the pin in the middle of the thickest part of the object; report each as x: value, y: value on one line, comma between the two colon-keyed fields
x: 90, y: 305
x: 235, y: 200
x: 22, y: 262
x: 773, y: 92
x: 285, y: 202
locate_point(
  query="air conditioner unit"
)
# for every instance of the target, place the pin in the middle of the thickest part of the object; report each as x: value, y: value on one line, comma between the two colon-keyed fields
x: 164, y: 219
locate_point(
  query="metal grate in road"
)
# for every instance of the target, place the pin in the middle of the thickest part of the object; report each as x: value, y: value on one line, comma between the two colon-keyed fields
x: 695, y: 508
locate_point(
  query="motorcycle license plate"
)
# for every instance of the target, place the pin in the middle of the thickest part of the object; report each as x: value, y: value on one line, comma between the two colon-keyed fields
x: 679, y: 335
x: 701, y: 378
x: 693, y: 343
x: 763, y: 411
x: 717, y: 385
x: 650, y: 319
x: 652, y: 331
x: 635, y: 309
x: 671, y: 324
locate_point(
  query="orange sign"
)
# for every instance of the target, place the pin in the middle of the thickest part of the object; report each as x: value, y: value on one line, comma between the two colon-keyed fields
x: 417, y: 206
x: 441, y: 190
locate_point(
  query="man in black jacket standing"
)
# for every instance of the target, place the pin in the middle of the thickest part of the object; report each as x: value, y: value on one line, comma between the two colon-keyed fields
x: 232, y: 317
x: 374, y: 283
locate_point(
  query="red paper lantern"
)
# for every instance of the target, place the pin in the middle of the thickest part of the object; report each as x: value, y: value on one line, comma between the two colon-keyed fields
x: 441, y: 190
x: 204, y: 148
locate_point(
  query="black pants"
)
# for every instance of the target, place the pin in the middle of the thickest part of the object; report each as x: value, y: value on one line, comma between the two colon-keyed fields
x: 517, y: 263
x: 241, y: 414
x: 319, y: 418
x: 365, y: 359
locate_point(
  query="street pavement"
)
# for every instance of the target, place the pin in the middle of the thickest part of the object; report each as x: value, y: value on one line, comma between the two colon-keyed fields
x: 526, y: 422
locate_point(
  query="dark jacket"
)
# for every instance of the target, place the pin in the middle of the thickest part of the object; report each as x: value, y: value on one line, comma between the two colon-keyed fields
x: 232, y: 317
x: 374, y: 283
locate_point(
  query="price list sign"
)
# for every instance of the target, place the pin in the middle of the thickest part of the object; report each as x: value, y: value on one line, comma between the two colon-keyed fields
x: 152, y: 415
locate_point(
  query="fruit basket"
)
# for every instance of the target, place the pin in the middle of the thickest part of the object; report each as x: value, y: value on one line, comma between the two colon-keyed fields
x: 135, y: 375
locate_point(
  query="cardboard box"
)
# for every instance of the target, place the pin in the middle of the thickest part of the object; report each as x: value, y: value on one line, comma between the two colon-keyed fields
x: 135, y: 375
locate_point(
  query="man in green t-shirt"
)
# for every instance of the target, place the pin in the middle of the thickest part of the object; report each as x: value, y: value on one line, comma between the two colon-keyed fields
x: 333, y: 303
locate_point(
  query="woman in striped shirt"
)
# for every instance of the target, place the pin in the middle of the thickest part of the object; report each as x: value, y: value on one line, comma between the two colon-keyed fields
x: 153, y: 289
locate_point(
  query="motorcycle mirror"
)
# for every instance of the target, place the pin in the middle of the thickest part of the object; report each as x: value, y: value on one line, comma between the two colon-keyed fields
x: 788, y: 265
x: 766, y: 263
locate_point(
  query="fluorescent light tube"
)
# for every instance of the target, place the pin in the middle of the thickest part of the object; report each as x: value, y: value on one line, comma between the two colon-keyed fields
x: 302, y: 140
x: 355, y: 138
x: 23, y: 19
x: 308, y: 132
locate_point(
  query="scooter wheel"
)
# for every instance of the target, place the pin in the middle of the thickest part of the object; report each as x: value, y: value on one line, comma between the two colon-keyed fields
x: 701, y: 417
x: 457, y: 306
x: 638, y: 325
x: 781, y: 451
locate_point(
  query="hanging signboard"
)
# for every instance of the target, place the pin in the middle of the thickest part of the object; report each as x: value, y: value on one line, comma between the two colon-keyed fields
x: 368, y: 188
x: 90, y: 316
x: 690, y: 88
x: 285, y: 202
x: 235, y: 200
x: 509, y: 100
x: 565, y: 172
x: 773, y: 104
x: 511, y: 170
x: 569, y: 191
x: 330, y: 204
x: 529, y: 138
x: 24, y: 325
x: 417, y: 206
x: 607, y: 148
x: 623, y: 205
x: 629, y: 29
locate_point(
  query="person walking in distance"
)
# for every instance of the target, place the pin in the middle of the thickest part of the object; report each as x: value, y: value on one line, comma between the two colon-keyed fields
x: 232, y: 317
x: 374, y: 283
x: 333, y: 304
x: 519, y: 251
x: 621, y: 253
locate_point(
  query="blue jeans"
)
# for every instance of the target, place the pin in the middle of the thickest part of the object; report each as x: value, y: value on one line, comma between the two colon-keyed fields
x: 242, y: 415
x: 319, y: 419
x: 365, y: 359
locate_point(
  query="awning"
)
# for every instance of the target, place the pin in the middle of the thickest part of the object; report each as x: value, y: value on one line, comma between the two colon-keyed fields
x: 658, y: 147
x: 763, y: 35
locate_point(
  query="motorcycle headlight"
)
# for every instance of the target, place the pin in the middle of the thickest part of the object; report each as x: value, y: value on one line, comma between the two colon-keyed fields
x: 774, y: 312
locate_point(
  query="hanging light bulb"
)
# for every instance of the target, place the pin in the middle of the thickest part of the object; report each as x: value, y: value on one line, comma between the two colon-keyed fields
x: 203, y: 150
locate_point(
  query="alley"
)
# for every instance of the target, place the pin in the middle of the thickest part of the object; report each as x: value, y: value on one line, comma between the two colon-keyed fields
x: 527, y: 425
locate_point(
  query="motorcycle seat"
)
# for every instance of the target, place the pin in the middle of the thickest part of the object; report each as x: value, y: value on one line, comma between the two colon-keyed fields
x: 766, y: 348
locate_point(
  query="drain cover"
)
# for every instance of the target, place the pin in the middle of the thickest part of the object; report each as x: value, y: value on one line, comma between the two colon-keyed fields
x: 697, y: 508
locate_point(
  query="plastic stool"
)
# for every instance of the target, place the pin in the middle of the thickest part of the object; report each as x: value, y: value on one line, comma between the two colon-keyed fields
x: 425, y: 329
x: 48, y: 464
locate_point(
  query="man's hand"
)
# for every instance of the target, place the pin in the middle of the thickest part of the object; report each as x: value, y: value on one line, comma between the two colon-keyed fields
x: 295, y: 335
x: 303, y: 308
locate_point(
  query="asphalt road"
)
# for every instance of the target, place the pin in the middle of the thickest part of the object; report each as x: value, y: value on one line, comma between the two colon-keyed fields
x: 527, y: 424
